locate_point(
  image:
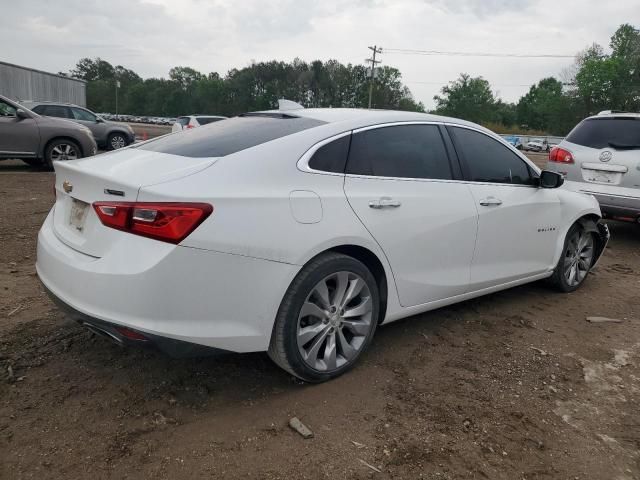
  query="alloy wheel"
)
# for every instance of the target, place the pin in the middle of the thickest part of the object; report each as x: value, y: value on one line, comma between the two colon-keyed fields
x: 118, y: 141
x: 64, y: 151
x: 334, y: 321
x: 578, y: 257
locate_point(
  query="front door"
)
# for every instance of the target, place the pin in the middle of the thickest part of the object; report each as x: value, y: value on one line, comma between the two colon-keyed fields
x: 518, y: 222
x: 18, y: 136
x: 400, y: 184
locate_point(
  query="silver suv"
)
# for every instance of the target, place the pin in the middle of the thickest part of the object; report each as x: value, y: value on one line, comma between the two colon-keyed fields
x: 109, y: 135
x: 37, y: 140
x: 601, y: 156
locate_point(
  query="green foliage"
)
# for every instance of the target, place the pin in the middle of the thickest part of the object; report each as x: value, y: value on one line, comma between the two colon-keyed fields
x: 256, y: 87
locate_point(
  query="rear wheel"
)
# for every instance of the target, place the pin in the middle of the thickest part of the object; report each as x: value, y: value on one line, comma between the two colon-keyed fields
x: 61, y: 150
x: 576, y: 259
x: 327, y: 318
x: 116, y: 141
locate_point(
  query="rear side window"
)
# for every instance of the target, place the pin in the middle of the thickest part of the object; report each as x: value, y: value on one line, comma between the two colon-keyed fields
x: 183, y: 121
x: 331, y: 157
x: 230, y: 136
x: 53, y: 111
x: 488, y: 160
x: 607, y: 132
x: 7, y: 110
x: 405, y: 151
x: 206, y: 120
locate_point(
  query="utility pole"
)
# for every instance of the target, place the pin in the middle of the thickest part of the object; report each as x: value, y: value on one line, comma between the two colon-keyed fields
x: 117, y: 87
x: 373, y: 63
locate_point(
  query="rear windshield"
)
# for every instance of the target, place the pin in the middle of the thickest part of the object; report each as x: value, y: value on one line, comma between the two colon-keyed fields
x: 607, y: 132
x: 224, y: 138
x: 206, y: 120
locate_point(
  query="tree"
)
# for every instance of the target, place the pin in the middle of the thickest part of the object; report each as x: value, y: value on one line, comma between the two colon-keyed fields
x: 467, y: 98
x: 546, y: 107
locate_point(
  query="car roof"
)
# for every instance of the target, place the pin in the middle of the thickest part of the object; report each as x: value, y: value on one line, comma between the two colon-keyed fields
x: 360, y: 117
x: 48, y: 102
x: 610, y: 114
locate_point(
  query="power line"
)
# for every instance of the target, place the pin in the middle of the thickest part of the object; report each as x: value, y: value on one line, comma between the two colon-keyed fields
x: 492, y: 84
x: 407, y: 51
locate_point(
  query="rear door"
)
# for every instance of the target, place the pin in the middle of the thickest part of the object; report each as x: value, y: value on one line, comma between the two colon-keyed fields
x: 403, y: 187
x: 518, y: 222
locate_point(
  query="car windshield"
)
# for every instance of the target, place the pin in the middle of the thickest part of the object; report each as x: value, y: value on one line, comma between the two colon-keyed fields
x: 224, y: 138
x: 615, y: 132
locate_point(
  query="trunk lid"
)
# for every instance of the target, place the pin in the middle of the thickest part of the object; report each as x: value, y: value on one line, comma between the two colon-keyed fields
x: 116, y: 176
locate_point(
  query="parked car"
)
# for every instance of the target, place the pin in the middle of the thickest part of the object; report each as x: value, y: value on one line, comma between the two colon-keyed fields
x: 193, y: 121
x: 37, y: 140
x: 601, y: 156
x: 299, y: 231
x: 108, y: 135
x: 536, y: 145
x: 514, y: 141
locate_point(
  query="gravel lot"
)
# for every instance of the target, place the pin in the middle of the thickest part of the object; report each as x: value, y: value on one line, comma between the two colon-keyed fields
x: 515, y: 385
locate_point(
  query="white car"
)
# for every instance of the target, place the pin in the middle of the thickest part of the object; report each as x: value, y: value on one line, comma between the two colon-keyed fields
x: 193, y: 121
x: 535, y: 145
x: 298, y: 232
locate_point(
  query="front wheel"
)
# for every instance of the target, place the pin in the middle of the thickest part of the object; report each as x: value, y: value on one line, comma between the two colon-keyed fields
x: 116, y: 141
x: 326, y: 319
x: 576, y: 260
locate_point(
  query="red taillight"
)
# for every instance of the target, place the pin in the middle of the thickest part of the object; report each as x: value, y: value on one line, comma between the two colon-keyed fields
x: 169, y: 222
x: 560, y: 155
x: 190, y: 126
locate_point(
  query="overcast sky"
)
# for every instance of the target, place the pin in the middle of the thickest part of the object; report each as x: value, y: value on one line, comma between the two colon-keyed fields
x: 151, y: 36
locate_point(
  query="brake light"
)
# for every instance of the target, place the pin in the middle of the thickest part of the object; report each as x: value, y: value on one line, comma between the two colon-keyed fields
x: 560, y: 155
x: 190, y: 126
x: 168, y: 222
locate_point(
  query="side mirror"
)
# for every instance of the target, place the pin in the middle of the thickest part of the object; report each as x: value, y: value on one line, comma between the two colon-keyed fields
x: 550, y: 179
x: 21, y: 114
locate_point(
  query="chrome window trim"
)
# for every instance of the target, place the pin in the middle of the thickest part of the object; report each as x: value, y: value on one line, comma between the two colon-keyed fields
x: 303, y: 162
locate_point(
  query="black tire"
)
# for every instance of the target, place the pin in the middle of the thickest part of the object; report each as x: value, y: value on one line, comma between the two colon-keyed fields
x: 117, y: 140
x: 50, y: 154
x: 559, y: 280
x: 284, y: 349
x: 33, y: 162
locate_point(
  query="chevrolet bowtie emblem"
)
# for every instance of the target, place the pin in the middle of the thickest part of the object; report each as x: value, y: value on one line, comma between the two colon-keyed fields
x: 66, y: 185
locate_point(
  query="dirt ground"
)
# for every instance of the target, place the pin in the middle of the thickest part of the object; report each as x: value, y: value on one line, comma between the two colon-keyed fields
x: 515, y: 385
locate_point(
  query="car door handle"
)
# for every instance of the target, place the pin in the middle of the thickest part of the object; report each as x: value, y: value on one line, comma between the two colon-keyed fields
x: 490, y: 202
x: 384, y: 202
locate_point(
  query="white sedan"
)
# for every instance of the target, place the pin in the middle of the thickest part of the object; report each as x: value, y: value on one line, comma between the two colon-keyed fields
x: 298, y: 232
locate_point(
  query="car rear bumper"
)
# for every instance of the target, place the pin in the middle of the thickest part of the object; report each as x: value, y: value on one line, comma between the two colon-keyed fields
x: 617, y: 205
x: 196, y: 296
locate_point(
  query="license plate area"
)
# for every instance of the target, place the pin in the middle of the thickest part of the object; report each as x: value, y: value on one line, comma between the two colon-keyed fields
x: 78, y: 214
x: 602, y: 177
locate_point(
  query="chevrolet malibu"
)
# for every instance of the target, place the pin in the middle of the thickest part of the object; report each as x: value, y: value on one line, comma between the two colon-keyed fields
x: 299, y: 231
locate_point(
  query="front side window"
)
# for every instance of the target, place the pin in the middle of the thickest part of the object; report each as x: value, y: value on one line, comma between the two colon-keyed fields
x: 83, y: 115
x: 487, y: 160
x: 7, y: 110
x: 404, y: 151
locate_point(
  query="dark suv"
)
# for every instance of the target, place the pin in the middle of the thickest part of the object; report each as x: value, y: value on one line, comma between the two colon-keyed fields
x: 108, y: 135
x: 41, y: 140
